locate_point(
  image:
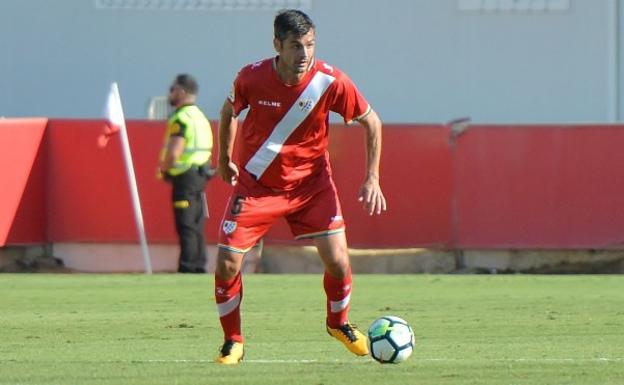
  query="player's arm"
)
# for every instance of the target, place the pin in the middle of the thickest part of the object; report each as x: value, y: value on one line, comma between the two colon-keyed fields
x: 228, y: 124
x: 370, y: 192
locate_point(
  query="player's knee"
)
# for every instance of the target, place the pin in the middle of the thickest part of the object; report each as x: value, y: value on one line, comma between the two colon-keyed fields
x: 226, y: 271
x: 228, y: 264
x: 338, y: 268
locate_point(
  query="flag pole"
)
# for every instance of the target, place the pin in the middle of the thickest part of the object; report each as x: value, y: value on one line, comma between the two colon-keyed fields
x: 134, y: 192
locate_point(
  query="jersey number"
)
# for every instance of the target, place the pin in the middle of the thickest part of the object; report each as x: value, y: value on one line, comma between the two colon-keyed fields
x: 237, y: 205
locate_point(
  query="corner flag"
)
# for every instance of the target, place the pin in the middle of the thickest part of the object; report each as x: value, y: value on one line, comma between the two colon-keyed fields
x: 115, y: 122
x: 113, y: 114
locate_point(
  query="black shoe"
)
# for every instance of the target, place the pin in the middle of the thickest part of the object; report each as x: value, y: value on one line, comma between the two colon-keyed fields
x: 184, y: 269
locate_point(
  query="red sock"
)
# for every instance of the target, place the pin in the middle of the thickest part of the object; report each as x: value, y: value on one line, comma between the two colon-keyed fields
x: 338, y: 293
x: 229, y: 294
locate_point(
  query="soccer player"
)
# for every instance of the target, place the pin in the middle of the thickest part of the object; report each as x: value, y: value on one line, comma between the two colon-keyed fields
x: 282, y: 170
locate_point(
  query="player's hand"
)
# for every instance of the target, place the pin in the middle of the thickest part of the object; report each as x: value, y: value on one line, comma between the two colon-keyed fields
x: 371, y: 196
x: 228, y: 171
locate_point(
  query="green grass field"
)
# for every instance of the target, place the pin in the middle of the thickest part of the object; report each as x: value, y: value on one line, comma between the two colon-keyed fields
x: 163, y: 329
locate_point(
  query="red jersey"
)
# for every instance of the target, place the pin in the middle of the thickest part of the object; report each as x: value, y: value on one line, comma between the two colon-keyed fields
x: 284, y: 136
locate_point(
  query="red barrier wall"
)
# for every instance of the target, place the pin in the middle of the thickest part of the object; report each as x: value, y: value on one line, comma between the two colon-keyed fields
x: 89, y: 199
x: 21, y: 195
x: 540, y: 187
x: 416, y: 180
x: 490, y: 187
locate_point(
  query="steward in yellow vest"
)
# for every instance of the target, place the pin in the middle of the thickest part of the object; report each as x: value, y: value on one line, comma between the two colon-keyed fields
x: 191, y: 125
x: 185, y: 162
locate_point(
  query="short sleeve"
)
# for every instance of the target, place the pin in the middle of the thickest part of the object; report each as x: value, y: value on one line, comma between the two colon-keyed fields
x: 177, y: 128
x: 348, y: 101
x: 237, y: 95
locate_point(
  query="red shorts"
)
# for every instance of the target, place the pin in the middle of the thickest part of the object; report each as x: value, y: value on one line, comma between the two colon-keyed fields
x: 312, y: 209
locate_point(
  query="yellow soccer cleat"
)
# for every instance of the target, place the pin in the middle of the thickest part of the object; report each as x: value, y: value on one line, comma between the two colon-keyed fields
x: 231, y: 353
x: 351, y: 337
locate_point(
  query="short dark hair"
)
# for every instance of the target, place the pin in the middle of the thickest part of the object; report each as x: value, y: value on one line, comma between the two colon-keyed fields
x: 291, y: 21
x: 187, y: 83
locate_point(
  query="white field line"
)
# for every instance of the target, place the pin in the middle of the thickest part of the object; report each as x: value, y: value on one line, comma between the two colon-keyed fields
x: 363, y: 361
x: 312, y: 361
x: 537, y: 360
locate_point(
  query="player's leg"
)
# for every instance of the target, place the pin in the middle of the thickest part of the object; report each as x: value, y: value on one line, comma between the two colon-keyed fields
x: 319, y: 218
x: 245, y: 221
x: 337, y: 278
x: 228, y: 295
x: 337, y: 282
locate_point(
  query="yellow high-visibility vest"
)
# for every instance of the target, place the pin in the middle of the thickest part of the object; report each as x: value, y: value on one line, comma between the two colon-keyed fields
x: 191, y: 122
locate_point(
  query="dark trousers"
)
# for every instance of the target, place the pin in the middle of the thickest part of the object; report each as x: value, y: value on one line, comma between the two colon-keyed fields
x: 188, y: 208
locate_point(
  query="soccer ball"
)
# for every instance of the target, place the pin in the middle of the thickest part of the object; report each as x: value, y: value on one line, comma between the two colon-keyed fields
x: 391, y: 340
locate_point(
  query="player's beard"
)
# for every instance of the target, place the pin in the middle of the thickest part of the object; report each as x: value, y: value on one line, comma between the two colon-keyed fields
x: 303, y: 67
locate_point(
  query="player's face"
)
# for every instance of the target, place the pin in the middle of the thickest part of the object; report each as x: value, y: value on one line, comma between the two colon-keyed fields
x: 296, y: 53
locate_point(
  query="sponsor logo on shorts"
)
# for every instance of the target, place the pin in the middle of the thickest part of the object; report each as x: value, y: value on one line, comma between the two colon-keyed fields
x: 229, y: 227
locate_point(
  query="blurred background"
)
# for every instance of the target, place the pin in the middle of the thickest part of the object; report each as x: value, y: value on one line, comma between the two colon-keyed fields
x: 531, y: 182
x: 415, y: 60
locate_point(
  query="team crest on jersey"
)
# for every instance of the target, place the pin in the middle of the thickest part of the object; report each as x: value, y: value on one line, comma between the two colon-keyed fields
x: 229, y: 227
x: 305, y: 105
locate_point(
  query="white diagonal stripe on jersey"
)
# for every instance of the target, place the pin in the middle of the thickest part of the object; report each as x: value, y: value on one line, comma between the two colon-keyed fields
x: 269, y: 150
x: 228, y: 306
x: 338, y: 306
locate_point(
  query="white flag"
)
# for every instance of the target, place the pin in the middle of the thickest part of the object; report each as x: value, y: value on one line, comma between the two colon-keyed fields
x: 115, y: 122
x: 113, y: 112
